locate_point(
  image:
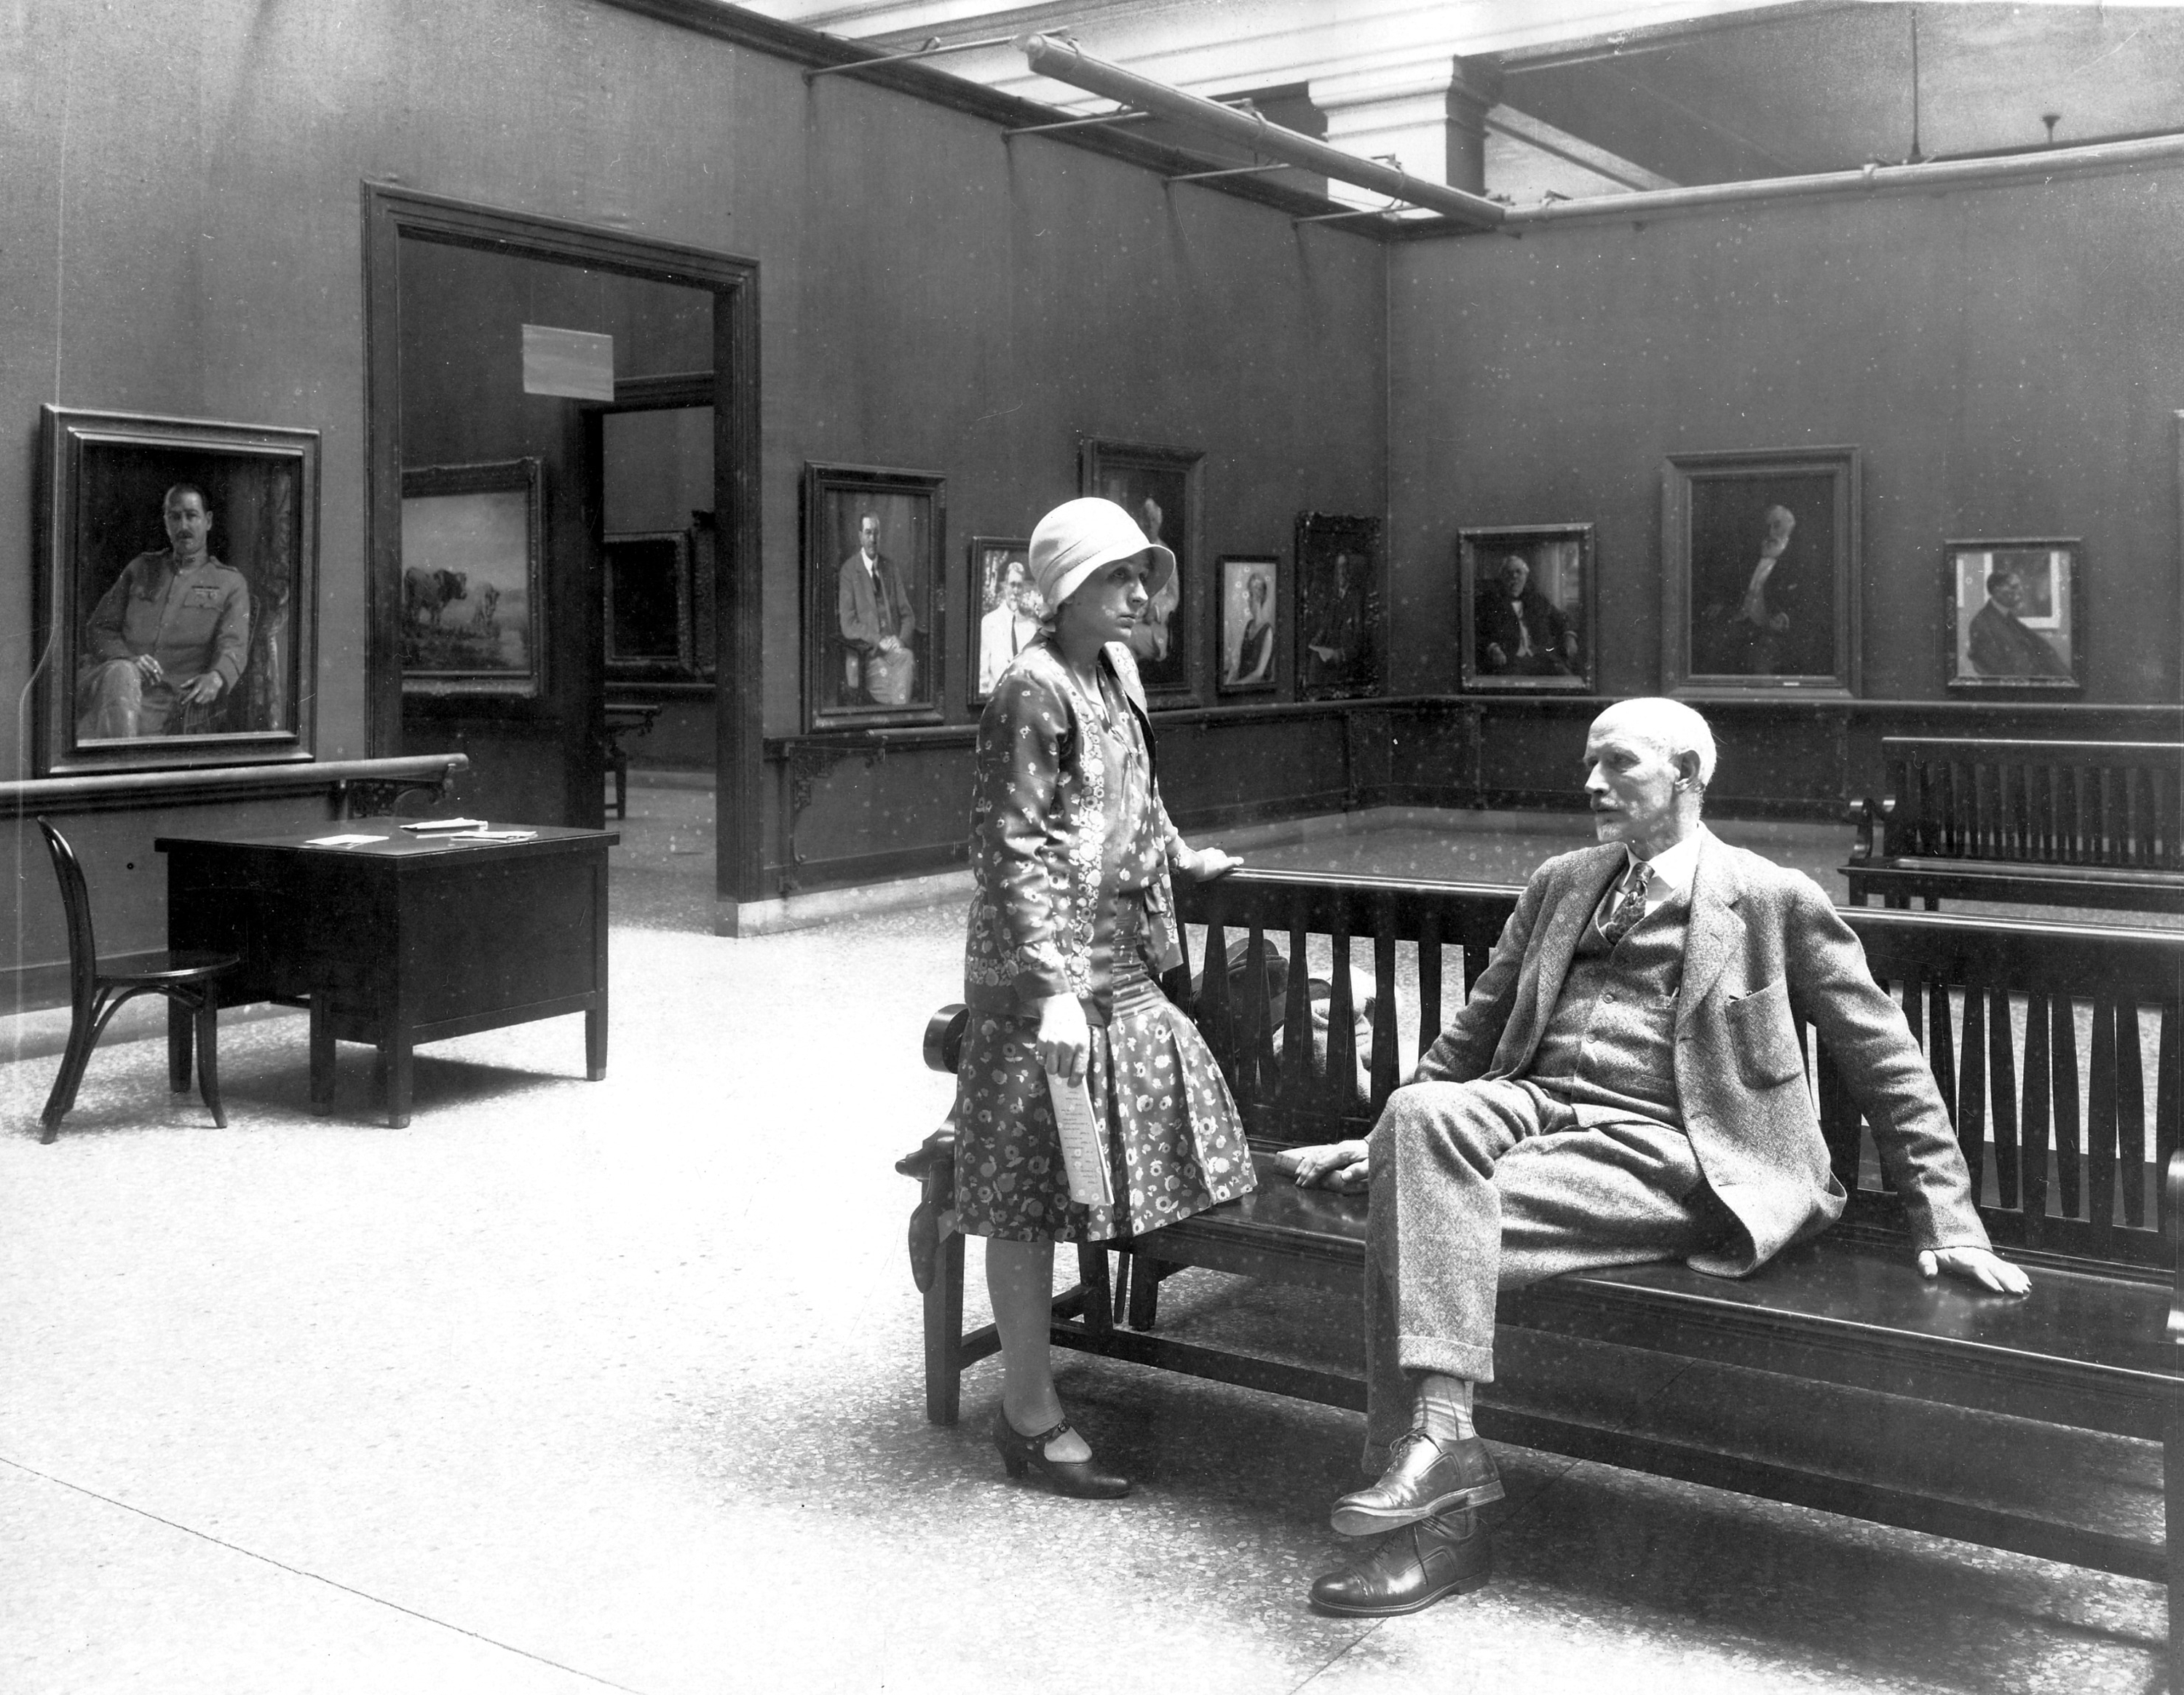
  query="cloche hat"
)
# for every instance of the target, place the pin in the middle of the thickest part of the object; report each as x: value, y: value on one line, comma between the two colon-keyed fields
x: 1078, y: 537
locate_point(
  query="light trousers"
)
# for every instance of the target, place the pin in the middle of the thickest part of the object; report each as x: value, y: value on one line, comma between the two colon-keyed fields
x: 1479, y: 1187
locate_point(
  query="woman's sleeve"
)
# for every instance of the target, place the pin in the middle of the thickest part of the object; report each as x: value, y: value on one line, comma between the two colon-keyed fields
x: 1015, y: 831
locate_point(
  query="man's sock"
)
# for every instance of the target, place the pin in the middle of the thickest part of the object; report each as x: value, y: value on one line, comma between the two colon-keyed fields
x: 1443, y: 1407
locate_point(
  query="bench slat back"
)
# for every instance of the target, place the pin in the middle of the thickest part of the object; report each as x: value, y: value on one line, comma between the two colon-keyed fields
x: 2035, y: 1033
x: 2113, y: 804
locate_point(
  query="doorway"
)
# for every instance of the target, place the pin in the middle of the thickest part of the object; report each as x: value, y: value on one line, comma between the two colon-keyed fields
x: 451, y: 288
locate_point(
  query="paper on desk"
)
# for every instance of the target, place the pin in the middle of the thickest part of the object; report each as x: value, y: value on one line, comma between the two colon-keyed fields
x: 1083, y: 1147
x: 493, y: 836
x: 441, y: 827
x: 342, y: 841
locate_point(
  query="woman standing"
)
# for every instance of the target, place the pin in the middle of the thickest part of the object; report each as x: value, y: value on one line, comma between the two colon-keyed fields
x: 1072, y: 925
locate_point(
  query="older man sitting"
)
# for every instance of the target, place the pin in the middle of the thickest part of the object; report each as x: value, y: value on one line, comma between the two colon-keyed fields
x: 1625, y: 1084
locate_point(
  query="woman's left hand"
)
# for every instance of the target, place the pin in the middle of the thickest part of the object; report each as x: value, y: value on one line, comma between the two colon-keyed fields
x: 1205, y: 864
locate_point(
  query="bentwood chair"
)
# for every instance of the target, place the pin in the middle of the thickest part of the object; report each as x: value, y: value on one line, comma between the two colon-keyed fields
x: 190, y: 980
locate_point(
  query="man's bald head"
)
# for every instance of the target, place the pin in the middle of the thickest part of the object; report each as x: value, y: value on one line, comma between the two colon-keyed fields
x: 1670, y: 725
x: 1647, y: 764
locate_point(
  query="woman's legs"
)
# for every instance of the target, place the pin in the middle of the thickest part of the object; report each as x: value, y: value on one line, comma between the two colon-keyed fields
x: 1020, y: 1280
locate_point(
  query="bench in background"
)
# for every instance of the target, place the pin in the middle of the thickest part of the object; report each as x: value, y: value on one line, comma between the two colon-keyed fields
x: 2067, y: 1159
x: 2049, y: 823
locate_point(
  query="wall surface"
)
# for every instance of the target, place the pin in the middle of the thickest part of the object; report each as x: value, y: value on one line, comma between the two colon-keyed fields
x: 185, y: 239
x: 2009, y: 359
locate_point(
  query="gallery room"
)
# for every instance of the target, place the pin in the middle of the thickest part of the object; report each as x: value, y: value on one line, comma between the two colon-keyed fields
x: 1440, y: 739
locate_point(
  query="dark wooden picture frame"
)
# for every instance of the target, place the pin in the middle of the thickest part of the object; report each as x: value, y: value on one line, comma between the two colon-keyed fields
x: 1162, y: 488
x: 1250, y: 624
x: 1541, y: 640
x: 474, y: 612
x: 104, y: 477
x: 998, y: 566
x: 851, y: 680
x: 1729, y: 631
x: 2016, y: 614
x: 1337, y: 606
x: 650, y: 606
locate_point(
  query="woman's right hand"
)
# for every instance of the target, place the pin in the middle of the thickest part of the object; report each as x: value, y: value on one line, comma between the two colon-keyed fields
x: 1065, y: 1040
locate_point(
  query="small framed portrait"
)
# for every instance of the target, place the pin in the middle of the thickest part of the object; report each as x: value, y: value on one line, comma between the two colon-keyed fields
x: 2016, y: 618
x: 1338, y: 637
x: 1251, y: 636
x: 177, y: 600
x: 1005, y: 611
x: 1158, y: 487
x: 473, y: 552
x: 872, y: 539
x: 651, y: 622
x: 1524, y: 608
x: 1760, y: 572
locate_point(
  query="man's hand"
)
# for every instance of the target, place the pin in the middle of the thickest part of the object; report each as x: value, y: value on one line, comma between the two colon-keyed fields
x: 1065, y: 1040
x: 201, y: 689
x: 1319, y: 652
x: 1495, y: 656
x: 149, y: 667
x: 890, y: 645
x: 1975, y: 1265
x: 1345, y: 1167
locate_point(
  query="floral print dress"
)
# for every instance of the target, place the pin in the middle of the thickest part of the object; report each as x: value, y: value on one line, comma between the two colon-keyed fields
x: 1175, y: 1144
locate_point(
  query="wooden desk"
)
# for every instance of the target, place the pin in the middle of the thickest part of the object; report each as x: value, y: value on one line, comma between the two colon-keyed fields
x: 405, y: 940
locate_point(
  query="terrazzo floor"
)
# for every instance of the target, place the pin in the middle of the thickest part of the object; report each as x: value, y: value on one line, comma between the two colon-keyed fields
x: 570, y: 1386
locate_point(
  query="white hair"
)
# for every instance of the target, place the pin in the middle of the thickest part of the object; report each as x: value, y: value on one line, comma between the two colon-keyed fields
x: 1675, y: 728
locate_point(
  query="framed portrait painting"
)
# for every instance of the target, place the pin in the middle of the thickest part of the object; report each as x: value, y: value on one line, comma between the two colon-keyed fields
x: 1158, y: 487
x: 1005, y: 609
x: 1250, y: 623
x: 2016, y: 615
x: 651, y: 622
x: 473, y: 606
x: 177, y: 599
x: 1760, y: 572
x: 872, y: 539
x: 1338, y: 599
x: 1525, y: 603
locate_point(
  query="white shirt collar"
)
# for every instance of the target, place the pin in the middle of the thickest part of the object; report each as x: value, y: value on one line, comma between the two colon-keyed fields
x: 1674, y: 868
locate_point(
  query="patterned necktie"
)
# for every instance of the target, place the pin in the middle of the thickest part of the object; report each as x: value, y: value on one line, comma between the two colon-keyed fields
x: 1631, y: 908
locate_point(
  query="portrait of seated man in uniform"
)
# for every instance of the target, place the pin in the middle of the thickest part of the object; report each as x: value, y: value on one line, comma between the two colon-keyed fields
x: 168, y: 638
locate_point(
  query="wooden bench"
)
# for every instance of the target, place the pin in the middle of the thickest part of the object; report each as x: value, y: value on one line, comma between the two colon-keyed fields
x: 1998, y: 1006
x: 2094, y: 824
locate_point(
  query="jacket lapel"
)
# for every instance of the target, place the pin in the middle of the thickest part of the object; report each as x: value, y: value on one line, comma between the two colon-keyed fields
x: 1716, y: 927
x: 1572, y: 911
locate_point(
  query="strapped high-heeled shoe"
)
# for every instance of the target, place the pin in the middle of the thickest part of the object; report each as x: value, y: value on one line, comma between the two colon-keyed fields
x: 1079, y: 1477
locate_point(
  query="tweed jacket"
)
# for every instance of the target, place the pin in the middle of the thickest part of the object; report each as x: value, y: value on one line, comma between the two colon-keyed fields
x: 1765, y: 953
x: 1045, y: 878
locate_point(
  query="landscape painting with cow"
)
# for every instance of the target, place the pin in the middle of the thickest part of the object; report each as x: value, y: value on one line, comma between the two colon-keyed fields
x: 471, y: 611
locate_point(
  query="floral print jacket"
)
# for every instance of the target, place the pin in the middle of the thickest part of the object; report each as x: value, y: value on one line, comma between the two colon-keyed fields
x: 1046, y: 876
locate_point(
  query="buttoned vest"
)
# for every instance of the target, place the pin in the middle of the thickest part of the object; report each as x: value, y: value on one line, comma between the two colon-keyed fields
x: 1611, y: 1042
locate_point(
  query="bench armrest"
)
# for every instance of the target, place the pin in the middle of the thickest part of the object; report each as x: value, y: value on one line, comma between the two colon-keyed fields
x: 2172, y: 1214
x: 1865, y: 814
x: 944, y: 1037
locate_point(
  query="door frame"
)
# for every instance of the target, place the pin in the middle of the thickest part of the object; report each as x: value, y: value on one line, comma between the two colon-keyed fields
x: 392, y: 215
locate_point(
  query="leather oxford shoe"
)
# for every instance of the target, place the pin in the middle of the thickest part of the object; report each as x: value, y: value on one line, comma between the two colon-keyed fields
x: 1409, y: 1570
x: 1422, y: 1479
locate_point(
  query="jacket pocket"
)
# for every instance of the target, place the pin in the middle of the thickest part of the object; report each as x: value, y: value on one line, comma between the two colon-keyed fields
x: 1765, y: 1037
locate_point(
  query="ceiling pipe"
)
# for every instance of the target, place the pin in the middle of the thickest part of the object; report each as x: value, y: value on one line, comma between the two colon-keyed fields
x: 1872, y: 179
x: 1049, y: 56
